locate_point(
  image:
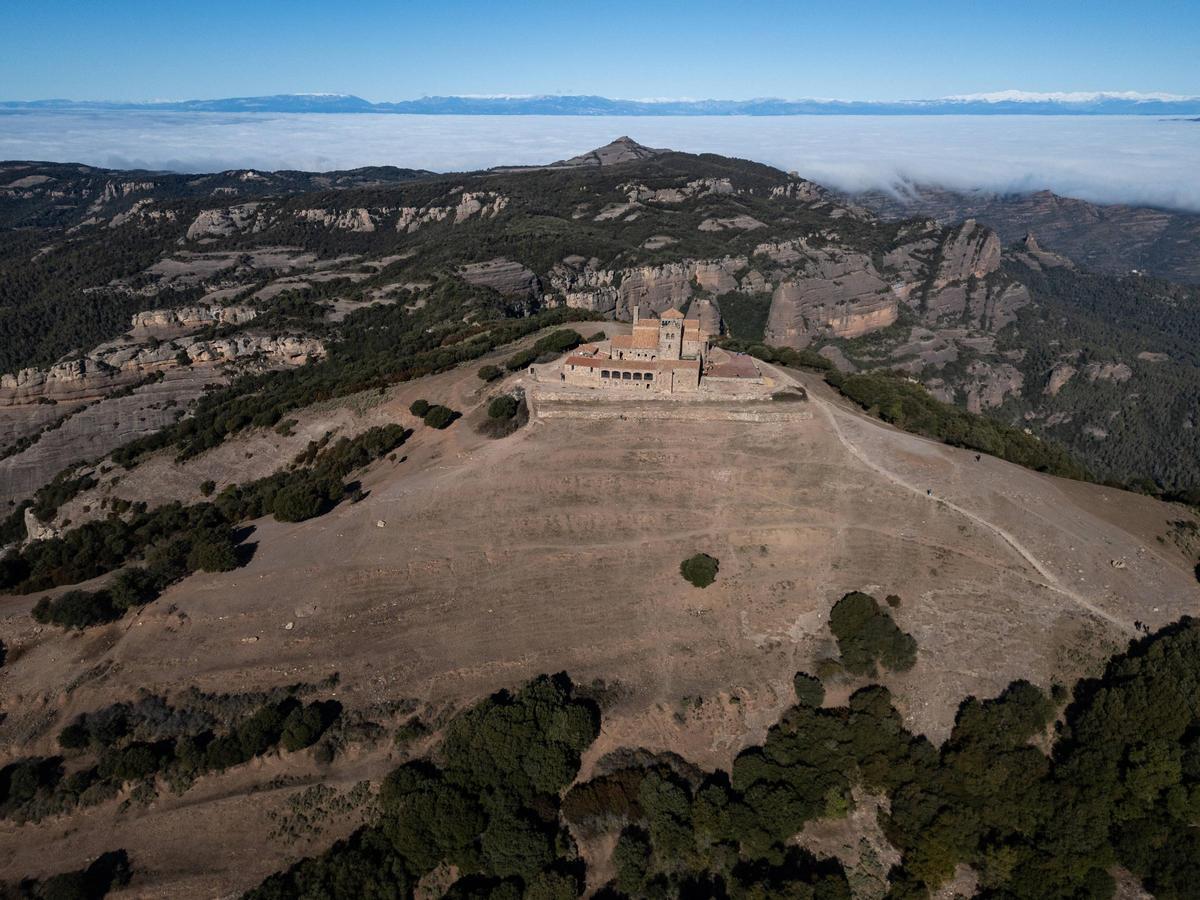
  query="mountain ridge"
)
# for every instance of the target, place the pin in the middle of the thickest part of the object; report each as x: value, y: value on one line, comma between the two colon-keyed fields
x: 996, y: 103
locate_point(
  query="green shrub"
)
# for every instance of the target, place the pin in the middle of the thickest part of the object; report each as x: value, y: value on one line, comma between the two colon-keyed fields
x: 305, y: 725
x: 440, y: 417
x: 133, y: 587
x: 207, y: 487
x: 412, y: 730
x: 77, y: 609
x: 418, y: 408
x: 866, y: 635
x: 503, y: 407
x: 559, y: 341
x: 489, y: 373
x: 109, y: 870
x: 597, y: 337
x: 520, y: 360
x: 213, y: 551
x: 809, y: 690
x: 700, y: 570
x: 301, y: 499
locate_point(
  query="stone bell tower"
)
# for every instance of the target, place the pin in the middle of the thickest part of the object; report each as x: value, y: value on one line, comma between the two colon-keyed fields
x: 670, y: 335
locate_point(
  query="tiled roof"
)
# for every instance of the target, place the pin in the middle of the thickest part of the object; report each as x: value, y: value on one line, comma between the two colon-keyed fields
x: 622, y: 342
x: 677, y: 363
x: 645, y: 338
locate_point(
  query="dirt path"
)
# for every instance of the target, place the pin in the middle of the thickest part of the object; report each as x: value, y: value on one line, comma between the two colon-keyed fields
x: 1050, y: 580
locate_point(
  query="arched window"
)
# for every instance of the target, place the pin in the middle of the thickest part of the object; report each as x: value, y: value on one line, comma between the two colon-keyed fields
x: 626, y: 376
x: 604, y: 373
x: 637, y: 376
x: 649, y: 377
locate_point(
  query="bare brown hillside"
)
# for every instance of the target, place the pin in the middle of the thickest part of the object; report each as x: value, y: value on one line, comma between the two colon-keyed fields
x: 473, y: 564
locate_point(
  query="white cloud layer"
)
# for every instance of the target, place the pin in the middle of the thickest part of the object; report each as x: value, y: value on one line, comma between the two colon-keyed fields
x: 1108, y: 159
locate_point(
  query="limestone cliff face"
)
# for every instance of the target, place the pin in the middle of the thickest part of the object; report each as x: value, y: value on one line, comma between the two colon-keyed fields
x: 478, y: 204
x: 653, y: 289
x: 214, y: 223
x: 509, y: 278
x: 484, y: 204
x: 578, y: 284
x: 701, y: 187
x: 143, y: 211
x: 356, y: 219
x: 986, y: 385
x: 970, y: 251
x: 112, y: 367
x: 1030, y: 253
x: 944, y: 276
x: 192, y: 317
x: 831, y: 292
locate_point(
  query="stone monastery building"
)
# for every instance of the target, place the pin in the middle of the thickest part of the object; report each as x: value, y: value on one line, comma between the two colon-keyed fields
x: 670, y: 354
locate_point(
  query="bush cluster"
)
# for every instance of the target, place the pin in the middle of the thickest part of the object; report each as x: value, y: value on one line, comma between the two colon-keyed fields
x: 109, y: 870
x: 502, y: 407
x: 126, y: 743
x: 867, y: 637
x: 174, y: 540
x: 545, y: 349
x: 1120, y: 787
x: 487, y: 804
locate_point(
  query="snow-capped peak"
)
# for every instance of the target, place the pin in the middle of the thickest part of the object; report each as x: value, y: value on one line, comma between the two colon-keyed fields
x: 1014, y: 96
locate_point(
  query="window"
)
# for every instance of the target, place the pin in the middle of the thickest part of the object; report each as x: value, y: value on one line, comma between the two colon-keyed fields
x: 626, y: 376
x: 649, y: 377
x: 637, y: 376
x: 604, y: 373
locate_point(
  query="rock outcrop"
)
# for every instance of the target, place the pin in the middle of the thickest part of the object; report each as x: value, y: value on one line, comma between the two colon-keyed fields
x: 355, y: 219
x: 652, y: 288
x: 623, y: 150
x: 111, y: 367
x: 214, y: 223
x: 970, y: 251
x: 701, y: 187
x: 832, y: 293
x: 734, y: 223
x: 505, y: 276
x: 191, y: 318
x: 481, y: 204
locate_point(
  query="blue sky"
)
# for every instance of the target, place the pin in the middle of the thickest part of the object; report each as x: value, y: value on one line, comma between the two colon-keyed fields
x: 171, y: 49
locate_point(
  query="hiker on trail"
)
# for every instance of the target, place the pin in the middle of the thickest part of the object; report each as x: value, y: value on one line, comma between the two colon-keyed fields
x: 928, y: 492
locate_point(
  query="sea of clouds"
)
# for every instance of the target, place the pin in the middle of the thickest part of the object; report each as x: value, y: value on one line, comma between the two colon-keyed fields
x: 1107, y: 159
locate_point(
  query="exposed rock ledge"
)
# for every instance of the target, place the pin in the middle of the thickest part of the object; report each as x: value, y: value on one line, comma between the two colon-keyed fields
x: 192, y: 317
x: 113, y: 367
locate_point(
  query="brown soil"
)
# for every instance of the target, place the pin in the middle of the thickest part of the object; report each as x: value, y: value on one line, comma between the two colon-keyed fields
x: 558, y: 548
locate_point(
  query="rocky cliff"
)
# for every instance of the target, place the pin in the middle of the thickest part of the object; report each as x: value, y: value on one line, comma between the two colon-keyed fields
x: 1105, y: 238
x: 112, y: 367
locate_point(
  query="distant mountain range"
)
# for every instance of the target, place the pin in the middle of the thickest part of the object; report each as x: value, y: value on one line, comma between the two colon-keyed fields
x: 999, y: 103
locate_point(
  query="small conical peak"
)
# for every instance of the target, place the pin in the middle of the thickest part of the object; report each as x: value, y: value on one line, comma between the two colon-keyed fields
x: 1031, y: 243
x: 624, y: 149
